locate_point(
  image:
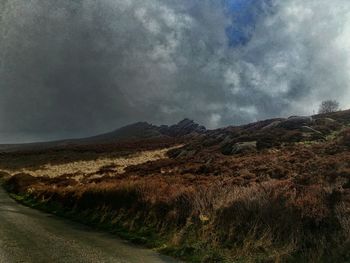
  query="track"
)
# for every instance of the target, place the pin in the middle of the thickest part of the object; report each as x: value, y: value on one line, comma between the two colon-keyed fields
x: 30, y: 236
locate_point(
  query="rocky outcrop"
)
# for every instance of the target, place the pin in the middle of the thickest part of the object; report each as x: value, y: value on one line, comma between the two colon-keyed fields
x: 244, y: 147
x: 144, y: 130
x: 184, y: 127
x: 240, y: 147
x: 296, y: 122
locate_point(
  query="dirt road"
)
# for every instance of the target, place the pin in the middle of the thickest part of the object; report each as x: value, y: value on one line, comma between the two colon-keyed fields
x: 30, y: 236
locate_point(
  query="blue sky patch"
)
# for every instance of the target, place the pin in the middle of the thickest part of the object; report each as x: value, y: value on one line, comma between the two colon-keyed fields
x: 245, y: 15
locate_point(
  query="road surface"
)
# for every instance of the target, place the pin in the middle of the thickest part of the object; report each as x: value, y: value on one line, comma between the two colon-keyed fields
x: 30, y: 236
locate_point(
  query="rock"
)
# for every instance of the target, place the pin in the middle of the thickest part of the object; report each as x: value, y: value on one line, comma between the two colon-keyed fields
x: 240, y: 147
x: 296, y: 122
x: 184, y: 127
x: 244, y: 147
x: 231, y: 148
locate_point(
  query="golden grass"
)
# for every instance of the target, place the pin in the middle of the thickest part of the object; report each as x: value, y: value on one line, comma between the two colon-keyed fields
x: 90, y: 168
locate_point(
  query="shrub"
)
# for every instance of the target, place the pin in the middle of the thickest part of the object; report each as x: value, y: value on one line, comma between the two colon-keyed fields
x: 328, y: 106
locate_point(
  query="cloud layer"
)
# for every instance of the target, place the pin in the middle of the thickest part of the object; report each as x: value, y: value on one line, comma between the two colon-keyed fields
x: 76, y: 68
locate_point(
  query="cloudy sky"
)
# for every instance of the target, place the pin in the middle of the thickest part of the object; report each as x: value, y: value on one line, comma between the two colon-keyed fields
x: 71, y: 68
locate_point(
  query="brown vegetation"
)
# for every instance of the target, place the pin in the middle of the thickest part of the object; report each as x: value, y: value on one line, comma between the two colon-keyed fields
x: 289, y: 201
x: 281, y: 204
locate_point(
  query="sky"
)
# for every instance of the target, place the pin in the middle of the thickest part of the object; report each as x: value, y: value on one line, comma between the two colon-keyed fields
x: 74, y: 68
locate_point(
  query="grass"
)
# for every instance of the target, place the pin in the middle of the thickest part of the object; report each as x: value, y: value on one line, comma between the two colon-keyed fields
x: 82, y: 169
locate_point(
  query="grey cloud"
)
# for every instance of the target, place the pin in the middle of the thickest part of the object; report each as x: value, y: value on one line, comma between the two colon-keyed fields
x: 76, y: 68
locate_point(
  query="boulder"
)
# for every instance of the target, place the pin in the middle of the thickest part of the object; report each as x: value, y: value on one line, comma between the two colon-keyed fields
x: 296, y: 122
x: 240, y: 147
x: 244, y: 147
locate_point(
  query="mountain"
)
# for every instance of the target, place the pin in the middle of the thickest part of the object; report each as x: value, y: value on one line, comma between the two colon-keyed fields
x: 183, y: 128
x: 144, y: 130
x: 132, y: 132
x: 139, y: 130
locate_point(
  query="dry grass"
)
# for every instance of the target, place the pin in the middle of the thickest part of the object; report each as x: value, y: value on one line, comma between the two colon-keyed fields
x: 93, y: 168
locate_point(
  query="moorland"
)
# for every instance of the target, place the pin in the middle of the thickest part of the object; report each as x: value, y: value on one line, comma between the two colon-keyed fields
x: 276, y: 190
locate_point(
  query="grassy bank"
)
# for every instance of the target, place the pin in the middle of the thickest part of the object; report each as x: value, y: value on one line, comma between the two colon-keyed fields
x: 277, y: 221
x: 124, y: 214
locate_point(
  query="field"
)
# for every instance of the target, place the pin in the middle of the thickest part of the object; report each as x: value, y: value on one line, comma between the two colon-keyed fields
x: 287, y: 201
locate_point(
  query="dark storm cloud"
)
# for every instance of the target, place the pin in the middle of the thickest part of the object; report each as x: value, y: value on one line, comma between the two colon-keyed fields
x: 75, y: 68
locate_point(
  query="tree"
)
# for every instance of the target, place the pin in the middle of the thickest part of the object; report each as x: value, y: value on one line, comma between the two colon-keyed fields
x: 328, y: 106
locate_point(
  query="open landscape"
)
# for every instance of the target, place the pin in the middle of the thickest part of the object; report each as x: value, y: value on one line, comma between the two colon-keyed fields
x: 161, y: 131
x: 271, y: 191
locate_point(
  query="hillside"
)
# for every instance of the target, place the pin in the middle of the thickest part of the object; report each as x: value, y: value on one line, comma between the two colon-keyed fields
x: 139, y: 131
x: 271, y: 191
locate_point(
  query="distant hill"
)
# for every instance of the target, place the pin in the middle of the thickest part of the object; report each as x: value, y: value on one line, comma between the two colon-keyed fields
x: 132, y: 132
x: 139, y: 130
